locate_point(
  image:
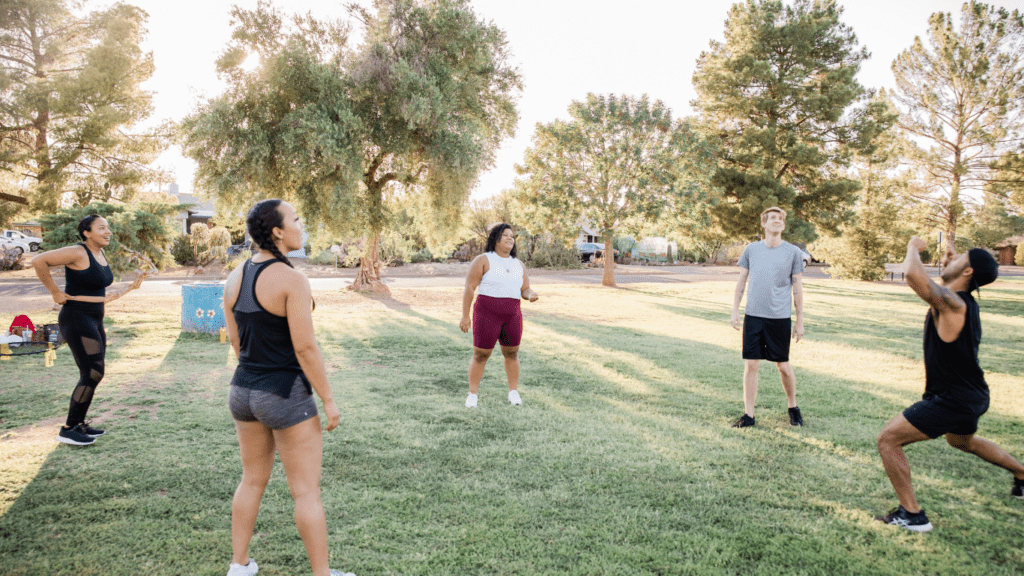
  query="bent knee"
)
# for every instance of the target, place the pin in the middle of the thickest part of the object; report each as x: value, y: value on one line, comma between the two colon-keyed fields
x: 959, y: 442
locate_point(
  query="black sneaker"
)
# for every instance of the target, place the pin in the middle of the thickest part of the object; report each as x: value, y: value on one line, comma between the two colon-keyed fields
x: 92, y: 432
x: 743, y: 422
x: 899, y: 516
x: 1018, y: 488
x: 75, y: 436
x: 795, y: 419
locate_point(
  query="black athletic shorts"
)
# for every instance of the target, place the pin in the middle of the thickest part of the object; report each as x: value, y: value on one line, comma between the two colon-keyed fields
x: 935, y: 417
x: 766, y: 338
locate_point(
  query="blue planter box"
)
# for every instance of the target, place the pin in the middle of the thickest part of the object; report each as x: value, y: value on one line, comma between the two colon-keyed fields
x: 202, y: 307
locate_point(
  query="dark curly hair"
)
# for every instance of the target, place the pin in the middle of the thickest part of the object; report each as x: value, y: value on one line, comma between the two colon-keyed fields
x: 86, y: 225
x: 495, y: 234
x: 261, y: 221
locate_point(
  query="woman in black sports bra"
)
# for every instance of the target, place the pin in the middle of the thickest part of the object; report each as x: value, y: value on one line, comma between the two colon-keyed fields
x: 87, y: 276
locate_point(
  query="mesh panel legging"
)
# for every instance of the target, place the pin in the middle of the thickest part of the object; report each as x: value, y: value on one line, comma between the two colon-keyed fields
x: 81, y: 324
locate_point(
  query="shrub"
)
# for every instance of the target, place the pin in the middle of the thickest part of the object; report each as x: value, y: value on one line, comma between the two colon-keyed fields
x: 539, y: 251
x: 181, y: 251
x: 10, y: 259
x: 140, y: 227
x: 423, y: 255
x: 240, y: 258
x: 1018, y: 259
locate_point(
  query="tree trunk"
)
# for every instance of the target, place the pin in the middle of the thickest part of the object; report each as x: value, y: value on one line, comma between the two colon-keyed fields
x: 608, y: 279
x: 368, y: 277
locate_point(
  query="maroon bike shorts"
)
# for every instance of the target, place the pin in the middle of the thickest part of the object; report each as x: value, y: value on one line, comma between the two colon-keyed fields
x: 496, y: 320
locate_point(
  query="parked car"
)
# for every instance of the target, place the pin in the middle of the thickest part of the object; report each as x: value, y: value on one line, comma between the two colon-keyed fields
x: 31, y: 241
x: 19, y: 247
x: 591, y: 251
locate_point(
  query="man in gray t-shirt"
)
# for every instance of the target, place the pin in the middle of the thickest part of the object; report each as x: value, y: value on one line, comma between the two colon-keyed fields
x: 773, y: 267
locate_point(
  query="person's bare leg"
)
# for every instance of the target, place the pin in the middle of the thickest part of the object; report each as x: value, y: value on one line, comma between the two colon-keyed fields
x: 896, y: 434
x: 511, y: 354
x: 256, y: 442
x: 788, y: 382
x: 476, y: 368
x: 301, y: 450
x: 988, y: 451
x: 750, y: 386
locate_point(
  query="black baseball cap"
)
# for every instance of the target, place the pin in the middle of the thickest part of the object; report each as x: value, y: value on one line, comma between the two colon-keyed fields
x: 986, y: 270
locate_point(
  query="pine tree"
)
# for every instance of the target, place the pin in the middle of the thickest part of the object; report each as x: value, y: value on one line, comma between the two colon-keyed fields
x: 70, y: 97
x: 780, y: 96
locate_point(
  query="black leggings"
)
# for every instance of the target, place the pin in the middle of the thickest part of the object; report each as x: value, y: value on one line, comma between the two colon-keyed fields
x: 81, y: 324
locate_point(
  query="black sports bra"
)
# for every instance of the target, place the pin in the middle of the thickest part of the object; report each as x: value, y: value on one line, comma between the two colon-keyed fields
x: 92, y: 281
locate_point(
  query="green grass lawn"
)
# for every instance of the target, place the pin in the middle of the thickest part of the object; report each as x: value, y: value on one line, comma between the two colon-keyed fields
x: 621, y: 460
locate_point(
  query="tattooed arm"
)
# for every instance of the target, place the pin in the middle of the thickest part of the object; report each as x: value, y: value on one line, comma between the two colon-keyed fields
x: 948, y: 309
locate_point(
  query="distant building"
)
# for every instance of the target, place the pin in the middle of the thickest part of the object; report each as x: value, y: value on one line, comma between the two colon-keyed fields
x: 196, y: 210
x: 1007, y: 250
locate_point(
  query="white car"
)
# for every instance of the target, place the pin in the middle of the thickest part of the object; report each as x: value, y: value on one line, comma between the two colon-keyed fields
x: 31, y: 241
x: 19, y: 247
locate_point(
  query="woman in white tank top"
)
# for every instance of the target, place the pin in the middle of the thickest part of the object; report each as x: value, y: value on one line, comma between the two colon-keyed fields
x: 502, y: 282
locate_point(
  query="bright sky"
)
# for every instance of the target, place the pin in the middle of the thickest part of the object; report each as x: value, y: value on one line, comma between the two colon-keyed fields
x: 564, y: 49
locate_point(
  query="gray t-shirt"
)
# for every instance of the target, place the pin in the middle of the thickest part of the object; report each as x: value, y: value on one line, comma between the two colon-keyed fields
x: 770, y: 283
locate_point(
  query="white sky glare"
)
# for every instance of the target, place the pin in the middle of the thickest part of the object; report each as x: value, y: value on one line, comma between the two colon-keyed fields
x: 563, y: 48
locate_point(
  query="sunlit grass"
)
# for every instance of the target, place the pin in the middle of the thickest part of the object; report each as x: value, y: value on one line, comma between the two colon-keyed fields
x: 621, y: 460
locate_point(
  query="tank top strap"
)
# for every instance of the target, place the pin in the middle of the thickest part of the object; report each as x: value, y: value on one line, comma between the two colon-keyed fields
x: 247, y: 301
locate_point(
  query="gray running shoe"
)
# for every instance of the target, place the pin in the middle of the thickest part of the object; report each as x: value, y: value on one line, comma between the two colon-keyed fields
x: 899, y: 516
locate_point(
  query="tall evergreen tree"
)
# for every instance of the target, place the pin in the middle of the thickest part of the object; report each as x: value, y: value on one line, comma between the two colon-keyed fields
x: 70, y: 97
x: 963, y: 95
x: 781, y: 97
x: 615, y: 163
x: 420, y: 107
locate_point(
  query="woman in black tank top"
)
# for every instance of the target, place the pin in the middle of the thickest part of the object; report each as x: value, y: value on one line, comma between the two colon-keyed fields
x: 267, y: 307
x: 87, y: 275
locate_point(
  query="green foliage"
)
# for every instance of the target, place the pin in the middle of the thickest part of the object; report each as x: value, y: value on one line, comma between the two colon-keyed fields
x: 1018, y: 257
x: 141, y: 227
x: 781, y: 99
x: 208, y: 244
x: 963, y: 96
x: 880, y: 228
x: 991, y: 223
x: 239, y: 259
x: 234, y: 224
x: 181, y: 251
x: 420, y: 107
x: 615, y: 163
x: 545, y: 251
x: 69, y: 98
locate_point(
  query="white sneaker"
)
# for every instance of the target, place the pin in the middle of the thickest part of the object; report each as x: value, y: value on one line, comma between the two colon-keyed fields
x: 471, y: 400
x: 248, y: 570
x: 340, y: 573
x: 513, y: 397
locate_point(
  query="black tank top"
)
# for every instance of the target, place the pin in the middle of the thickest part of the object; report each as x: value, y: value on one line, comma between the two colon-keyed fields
x: 266, y: 356
x: 92, y: 281
x: 952, y: 372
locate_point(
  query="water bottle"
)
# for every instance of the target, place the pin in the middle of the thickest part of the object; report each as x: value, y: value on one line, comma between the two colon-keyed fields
x: 53, y: 337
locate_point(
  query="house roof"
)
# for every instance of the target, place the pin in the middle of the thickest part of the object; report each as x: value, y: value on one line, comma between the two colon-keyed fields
x: 1012, y: 241
x: 201, y: 206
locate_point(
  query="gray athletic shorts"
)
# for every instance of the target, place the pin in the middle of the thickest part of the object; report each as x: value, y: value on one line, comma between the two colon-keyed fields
x: 270, y: 409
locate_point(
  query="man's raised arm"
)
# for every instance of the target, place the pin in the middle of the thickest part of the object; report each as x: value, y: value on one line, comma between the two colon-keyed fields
x: 940, y: 298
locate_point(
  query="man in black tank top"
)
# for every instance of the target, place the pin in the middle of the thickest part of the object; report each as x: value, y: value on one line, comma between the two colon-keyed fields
x: 955, y: 394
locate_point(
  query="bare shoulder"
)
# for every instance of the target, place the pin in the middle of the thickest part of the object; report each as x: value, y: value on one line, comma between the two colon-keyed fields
x: 290, y: 278
x: 75, y: 254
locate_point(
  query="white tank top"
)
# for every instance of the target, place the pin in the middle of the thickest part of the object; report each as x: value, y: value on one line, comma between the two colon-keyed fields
x: 504, y: 279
